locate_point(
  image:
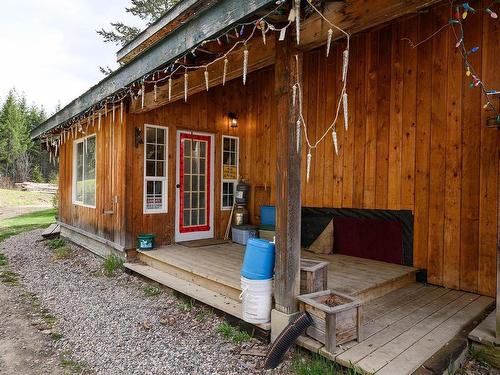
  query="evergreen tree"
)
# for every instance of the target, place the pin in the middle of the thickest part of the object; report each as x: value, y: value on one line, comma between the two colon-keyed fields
x: 147, y: 10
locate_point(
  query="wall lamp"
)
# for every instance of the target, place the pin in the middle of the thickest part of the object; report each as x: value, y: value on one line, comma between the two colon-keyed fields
x: 233, y: 120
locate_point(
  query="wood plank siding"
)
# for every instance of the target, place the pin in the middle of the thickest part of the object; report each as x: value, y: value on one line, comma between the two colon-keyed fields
x: 417, y: 140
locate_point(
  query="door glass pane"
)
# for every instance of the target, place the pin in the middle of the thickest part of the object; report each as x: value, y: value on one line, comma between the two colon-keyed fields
x: 187, y: 216
x: 187, y: 147
x: 194, y: 217
x: 150, y: 168
x: 202, y: 219
x: 195, y: 183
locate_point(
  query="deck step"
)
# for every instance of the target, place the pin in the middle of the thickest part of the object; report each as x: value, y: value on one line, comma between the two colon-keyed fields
x: 190, y: 274
x: 199, y: 293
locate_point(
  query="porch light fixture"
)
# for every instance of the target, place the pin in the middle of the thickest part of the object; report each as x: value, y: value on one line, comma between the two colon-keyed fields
x: 233, y: 120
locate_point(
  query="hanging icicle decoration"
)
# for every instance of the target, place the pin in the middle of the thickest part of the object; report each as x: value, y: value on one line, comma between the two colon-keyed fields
x: 169, y: 88
x: 294, y: 95
x: 298, y: 127
x: 225, y: 72
x: 142, y: 95
x: 121, y: 112
x: 113, y: 115
x: 297, y: 20
x: 185, y: 86
x: 206, y: 79
x: 329, y: 42
x: 155, y: 90
x: 308, y: 165
x: 335, y: 141
x: 245, y: 65
x: 345, y: 65
x: 99, y: 121
x: 262, y: 25
x: 346, y: 111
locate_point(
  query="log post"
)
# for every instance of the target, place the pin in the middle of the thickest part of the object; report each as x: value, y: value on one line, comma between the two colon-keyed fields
x: 288, y: 160
x: 498, y: 266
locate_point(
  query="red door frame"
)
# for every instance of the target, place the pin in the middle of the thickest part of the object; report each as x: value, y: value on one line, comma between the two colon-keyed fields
x: 208, y: 139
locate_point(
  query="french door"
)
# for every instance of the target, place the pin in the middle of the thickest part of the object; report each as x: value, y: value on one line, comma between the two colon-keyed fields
x: 194, y: 186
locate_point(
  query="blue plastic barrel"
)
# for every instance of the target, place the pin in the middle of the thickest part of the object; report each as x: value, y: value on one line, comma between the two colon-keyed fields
x: 268, y: 215
x: 258, y: 263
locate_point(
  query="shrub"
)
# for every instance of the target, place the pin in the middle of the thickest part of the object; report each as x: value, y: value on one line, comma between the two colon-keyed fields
x: 232, y: 333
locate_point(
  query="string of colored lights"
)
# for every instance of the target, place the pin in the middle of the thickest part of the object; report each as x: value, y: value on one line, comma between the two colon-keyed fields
x: 458, y: 13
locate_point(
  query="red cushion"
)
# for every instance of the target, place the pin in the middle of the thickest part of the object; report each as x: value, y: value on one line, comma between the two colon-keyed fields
x: 369, y: 238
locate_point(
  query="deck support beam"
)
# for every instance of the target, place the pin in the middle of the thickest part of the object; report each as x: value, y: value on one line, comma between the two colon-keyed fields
x: 288, y: 189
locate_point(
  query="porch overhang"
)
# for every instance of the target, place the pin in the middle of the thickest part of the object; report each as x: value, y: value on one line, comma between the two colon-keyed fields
x: 212, y: 21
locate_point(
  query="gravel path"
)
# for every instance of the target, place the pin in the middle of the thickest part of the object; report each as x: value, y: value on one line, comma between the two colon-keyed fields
x: 112, y: 327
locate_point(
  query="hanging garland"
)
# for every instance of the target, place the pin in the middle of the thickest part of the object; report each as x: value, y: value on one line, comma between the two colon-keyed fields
x: 138, y: 88
x: 459, y: 14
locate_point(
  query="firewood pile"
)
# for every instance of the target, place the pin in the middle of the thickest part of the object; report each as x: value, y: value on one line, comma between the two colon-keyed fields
x: 37, y: 187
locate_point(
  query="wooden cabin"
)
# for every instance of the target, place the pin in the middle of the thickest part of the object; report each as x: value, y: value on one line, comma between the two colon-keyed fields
x: 413, y: 189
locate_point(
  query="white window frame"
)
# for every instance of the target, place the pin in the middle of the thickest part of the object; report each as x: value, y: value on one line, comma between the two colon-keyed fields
x: 223, y: 180
x: 164, y: 208
x: 75, y: 143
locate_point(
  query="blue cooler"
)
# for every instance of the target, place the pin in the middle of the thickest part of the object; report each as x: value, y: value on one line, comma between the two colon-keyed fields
x: 258, y: 263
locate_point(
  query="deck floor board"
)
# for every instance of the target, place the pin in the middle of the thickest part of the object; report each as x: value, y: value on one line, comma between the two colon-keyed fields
x: 222, y: 262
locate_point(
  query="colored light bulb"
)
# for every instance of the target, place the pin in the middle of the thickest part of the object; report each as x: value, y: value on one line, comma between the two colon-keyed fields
x: 491, y: 13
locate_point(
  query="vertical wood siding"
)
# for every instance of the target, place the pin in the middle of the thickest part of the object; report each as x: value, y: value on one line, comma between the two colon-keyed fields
x: 417, y: 140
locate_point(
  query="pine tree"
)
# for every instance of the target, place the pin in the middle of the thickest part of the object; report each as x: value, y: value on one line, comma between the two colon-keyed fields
x: 147, y: 10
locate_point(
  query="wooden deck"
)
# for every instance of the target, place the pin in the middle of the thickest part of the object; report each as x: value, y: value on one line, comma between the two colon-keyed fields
x: 404, y: 328
x: 366, y: 279
x: 405, y: 323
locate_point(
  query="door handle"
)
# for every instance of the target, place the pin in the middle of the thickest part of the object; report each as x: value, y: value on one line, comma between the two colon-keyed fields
x: 178, y: 186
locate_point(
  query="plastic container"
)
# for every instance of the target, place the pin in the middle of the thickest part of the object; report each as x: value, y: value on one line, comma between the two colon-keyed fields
x: 256, y: 300
x: 267, y: 234
x: 146, y: 241
x: 240, y: 234
x: 258, y: 263
x: 267, y: 215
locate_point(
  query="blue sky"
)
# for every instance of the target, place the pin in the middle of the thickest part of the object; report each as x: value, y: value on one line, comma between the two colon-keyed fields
x: 50, y: 49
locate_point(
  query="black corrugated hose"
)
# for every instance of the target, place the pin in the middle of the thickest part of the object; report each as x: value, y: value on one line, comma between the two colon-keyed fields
x: 286, y: 339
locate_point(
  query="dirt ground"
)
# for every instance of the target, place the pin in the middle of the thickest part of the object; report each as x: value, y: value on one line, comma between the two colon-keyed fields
x: 24, y: 350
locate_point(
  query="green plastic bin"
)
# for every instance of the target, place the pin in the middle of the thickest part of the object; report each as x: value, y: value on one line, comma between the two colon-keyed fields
x: 146, y: 241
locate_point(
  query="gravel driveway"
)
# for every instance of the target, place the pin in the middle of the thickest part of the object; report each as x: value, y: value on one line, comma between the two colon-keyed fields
x: 111, y: 327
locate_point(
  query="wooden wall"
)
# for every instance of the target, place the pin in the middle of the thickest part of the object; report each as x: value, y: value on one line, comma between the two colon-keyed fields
x: 107, y: 219
x: 417, y: 140
x: 207, y: 112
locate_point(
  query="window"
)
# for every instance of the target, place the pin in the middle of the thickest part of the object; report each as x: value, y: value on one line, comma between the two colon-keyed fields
x: 84, y: 171
x: 230, y: 170
x: 155, y: 169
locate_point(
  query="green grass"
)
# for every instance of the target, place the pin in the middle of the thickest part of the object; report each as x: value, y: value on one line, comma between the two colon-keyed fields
x: 314, y: 364
x: 486, y: 356
x: 185, y: 304
x: 16, y: 198
x: 8, y: 277
x: 204, y: 314
x: 151, y: 290
x: 49, y: 319
x: 35, y: 220
x: 56, y: 336
x: 111, y: 264
x: 3, y: 260
x: 232, y: 333
x: 73, y: 366
x: 56, y: 243
x: 64, y: 252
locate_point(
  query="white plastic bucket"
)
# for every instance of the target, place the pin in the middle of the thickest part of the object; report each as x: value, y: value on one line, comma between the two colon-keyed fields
x: 256, y: 298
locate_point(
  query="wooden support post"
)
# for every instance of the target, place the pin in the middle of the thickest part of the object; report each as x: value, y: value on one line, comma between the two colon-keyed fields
x: 498, y: 266
x: 288, y: 205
